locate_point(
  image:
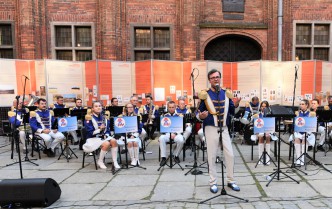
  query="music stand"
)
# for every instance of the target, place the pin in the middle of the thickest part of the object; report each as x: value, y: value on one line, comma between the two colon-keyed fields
x: 125, y: 125
x: 279, y: 112
x: 115, y: 110
x: 61, y: 112
x: 324, y: 116
x: 70, y: 121
x: 79, y: 113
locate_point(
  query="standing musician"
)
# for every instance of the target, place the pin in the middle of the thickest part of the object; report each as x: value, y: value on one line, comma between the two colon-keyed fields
x: 177, y: 137
x: 133, y: 140
x: 98, y: 135
x: 183, y: 109
x: 209, y: 111
x: 138, y: 111
x: 152, y: 111
x: 19, y: 121
x: 321, y: 126
x: 262, y: 113
x: 304, y: 111
x: 41, y: 122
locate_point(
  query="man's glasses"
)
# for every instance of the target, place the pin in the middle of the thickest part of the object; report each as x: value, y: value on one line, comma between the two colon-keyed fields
x: 213, y: 78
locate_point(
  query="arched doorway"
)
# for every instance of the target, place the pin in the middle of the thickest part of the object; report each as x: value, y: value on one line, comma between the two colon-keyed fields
x: 232, y: 48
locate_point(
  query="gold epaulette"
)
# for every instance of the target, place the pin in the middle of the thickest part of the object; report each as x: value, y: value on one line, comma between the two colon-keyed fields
x: 12, y: 108
x: 180, y: 115
x: 11, y: 114
x: 52, y: 113
x: 88, y: 112
x: 297, y: 113
x: 51, y: 106
x: 326, y: 107
x: 120, y: 116
x: 312, y: 114
x: 202, y: 94
x: 107, y: 114
x: 141, y: 110
x: 88, y: 117
x: 32, y: 114
x: 157, y: 107
x: 255, y: 116
x: 70, y: 109
x: 247, y: 104
x: 188, y: 108
x: 85, y: 107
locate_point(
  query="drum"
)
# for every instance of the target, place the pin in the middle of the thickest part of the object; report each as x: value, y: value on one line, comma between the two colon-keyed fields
x: 28, y: 128
x: 246, y: 118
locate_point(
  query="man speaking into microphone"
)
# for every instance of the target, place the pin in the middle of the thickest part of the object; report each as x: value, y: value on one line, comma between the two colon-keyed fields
x: 214, y: 110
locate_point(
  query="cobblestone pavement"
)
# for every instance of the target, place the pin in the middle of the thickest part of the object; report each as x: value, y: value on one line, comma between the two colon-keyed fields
x: 170, y: 188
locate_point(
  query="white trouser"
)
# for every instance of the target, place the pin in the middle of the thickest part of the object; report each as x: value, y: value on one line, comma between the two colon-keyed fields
x: 74, y: 135
x: 164, y: 138
x: 52, y: 139
x: 143, y: 134
x: 22, y: 138
x: 212, y: 142
x: 187, y: 132
x: 321, y: 130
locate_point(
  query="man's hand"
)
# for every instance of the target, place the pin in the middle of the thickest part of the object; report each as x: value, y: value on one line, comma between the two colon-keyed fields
x: 102, y: 127
x: 236, y: 101
x: 173, y: 135
x: 202, y: 115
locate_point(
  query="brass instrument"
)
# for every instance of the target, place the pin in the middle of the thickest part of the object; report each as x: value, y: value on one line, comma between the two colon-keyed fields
x: 150, y: 119
x: 33, y: 100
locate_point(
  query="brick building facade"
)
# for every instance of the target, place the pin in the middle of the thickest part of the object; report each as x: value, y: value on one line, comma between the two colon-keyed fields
x: 179, y: 29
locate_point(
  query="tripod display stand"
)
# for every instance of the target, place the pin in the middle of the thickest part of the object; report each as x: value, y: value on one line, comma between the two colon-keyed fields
x: 170, y: 157
x: 279, y: 112
x: 262, y: 158
x: 220, y: 130
x: 194, y: 169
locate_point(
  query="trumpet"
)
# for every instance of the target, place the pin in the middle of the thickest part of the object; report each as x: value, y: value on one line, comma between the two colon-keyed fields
x: 33, y: 100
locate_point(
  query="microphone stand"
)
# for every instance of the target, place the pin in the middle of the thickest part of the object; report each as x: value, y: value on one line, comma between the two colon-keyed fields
x: 223, y: 191
x: 194, y: 168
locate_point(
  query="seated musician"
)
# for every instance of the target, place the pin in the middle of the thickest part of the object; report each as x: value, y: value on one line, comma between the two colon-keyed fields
x: 41, y: 122
x: 153, y: 115
x: 329, y: 107
x: 98, y: 135
x: 253, y: 106
x: 321, y: 126
x: 138, y: 111
x: 133, y: 140
x: 184, y: 109
x: 19, y: 121
x: 78, y: 104
x: 304, y: 111
x: 114, y: 102
x: 58, y: 105
x: 177, y: 137
x: 262, y: 113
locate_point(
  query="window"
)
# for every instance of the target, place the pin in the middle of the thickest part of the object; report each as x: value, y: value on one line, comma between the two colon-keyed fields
x: 6, y: 41
x: 312, y: 41
x: 73, y: 42
x: 152, y: 43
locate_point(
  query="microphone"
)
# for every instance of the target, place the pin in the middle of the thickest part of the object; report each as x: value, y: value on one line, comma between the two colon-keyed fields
x: 26, y: 77
x: 192, y: 74
x: 217, y: 87
x: 296, y: 69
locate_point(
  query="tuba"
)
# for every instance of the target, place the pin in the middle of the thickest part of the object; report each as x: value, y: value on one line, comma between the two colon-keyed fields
x: 33, y: 100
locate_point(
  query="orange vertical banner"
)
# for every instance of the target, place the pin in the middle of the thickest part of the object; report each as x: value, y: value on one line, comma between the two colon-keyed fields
x: 143, y: 77
x: 187, y: 83
x: 90, y: 78
x: 319, y: 76
x: 307, y: 79
x: 230, y: 79
x: 22, y: 69
x: 105, y: 78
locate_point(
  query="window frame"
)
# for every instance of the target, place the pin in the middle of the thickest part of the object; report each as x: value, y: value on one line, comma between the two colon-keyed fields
x: 152, y: 49
x: 73, y: 48
x: 312, y: 44
x: 13, y: 46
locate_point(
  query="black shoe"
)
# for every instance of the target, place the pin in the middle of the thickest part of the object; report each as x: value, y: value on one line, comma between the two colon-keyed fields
x: 76, y: 143
x: 320, y: 148
x: 309, y: 148
x: 233, y: 186
x: 123, y: 151
x: 163, y: 161
x: 45, y: 151
x: 50, y: 153
x: 176, y: 159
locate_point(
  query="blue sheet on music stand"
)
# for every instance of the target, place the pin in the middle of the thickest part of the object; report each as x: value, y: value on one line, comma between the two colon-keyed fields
x: 171, y: 124
x: 305, y: 124
x: 67, y: 124
x: 264, y: 125
x: 125, y: 124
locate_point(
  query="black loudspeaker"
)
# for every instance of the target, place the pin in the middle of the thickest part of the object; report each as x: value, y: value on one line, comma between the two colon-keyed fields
x: 6, y: 127
x: 38, y: 192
